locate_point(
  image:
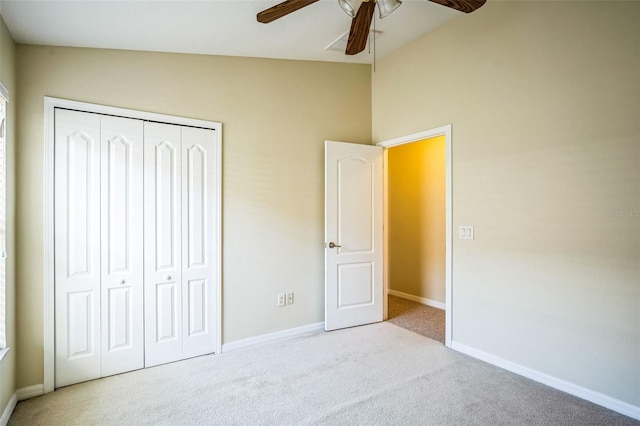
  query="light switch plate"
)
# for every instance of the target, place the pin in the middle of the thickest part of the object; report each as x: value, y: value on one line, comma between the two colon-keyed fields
x: 466, y: 232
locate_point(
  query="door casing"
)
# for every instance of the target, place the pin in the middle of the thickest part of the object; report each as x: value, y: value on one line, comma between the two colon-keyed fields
x: 50, y: 104
x: 416, y: 137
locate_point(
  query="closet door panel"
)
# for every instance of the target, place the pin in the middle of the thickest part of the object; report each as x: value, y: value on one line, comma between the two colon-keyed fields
x: 77, y: 247
x: 166, y: 312
x: 122, y: 245
x: 198, y: 227
x: 162, y: 239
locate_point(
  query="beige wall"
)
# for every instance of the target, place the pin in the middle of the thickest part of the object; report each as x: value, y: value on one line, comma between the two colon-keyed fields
x: 8, y: 79
x: 544, y: 99
x: 416, y: 215
x: 276, y: 115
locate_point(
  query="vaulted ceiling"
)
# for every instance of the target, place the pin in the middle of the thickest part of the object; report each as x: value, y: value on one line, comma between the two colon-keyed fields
x: 214, y: 27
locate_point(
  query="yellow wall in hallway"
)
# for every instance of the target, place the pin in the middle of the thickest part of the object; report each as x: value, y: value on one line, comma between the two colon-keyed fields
x: 417, y: 222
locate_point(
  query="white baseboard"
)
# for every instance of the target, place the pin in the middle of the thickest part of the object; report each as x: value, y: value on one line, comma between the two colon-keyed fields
x: 272, y: 337
x: 8, y: 410
x: 418, y: 299
x: 554, y: 382
x: 30, y: 392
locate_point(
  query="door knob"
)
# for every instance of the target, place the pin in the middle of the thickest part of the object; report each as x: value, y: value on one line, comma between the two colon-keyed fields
x: 123, y: 282
x: 333, y: 245
x: 168, y: 277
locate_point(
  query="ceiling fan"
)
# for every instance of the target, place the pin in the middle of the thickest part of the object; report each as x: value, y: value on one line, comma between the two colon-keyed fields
x: 362, y: 13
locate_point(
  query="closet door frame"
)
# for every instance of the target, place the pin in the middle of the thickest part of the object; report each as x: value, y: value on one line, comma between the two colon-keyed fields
x: 50, y: 104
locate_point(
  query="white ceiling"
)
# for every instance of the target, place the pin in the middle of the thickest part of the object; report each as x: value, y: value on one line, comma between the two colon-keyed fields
x: 214, y: 27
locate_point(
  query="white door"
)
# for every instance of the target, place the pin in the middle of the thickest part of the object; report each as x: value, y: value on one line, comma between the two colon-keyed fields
x: 136, y: 234
x: 180, y: 232
x: 98, y: 246
x: 198, y: 236
x: 122, y: 246
x: 77, y: 247
x: 162, y: 223
x: 353, y: 235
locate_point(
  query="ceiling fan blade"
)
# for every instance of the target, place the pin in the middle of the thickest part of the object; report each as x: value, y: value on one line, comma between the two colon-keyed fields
x: 466, y: 6
x: 360, y: 28
x: 282, y: 9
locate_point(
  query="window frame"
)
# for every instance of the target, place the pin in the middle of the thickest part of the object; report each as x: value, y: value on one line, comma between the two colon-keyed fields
x: 4, y: 100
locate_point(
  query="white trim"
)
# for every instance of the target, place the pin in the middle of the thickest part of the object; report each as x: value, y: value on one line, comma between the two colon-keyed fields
x: 272, y: 337
x: 48, y: 262
x: 554, y: 382
x: 423, y: 300
x: 30, y: 392
x: 217, y: 244
x: 432, y: 133
x: 386, y: 277
x: 3, y: 353
x: 129, y: 113
x: 446, y: 132
x: 8, y: 410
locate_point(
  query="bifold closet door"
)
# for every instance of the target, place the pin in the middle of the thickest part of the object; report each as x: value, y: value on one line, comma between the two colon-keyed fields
x: 77, y: 247
x: 198, y: 236
x: 122, y: 284
x: 162, y: 221
x: 98, y: 249
x: 179, y: 231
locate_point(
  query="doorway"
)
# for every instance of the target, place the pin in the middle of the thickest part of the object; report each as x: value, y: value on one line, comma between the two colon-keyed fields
x: 418, y: 226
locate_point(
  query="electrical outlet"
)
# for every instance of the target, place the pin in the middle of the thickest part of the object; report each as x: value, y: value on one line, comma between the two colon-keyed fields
x: 282, y: 299
x: 290, y: 298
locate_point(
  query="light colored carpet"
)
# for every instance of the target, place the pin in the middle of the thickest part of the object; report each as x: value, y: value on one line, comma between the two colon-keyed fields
x: 379, y: 374
x: 422, y: 319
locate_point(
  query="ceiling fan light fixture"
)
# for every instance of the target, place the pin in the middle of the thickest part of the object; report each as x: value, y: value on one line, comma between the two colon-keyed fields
x: 350, y: 7
x: 385, y: 7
